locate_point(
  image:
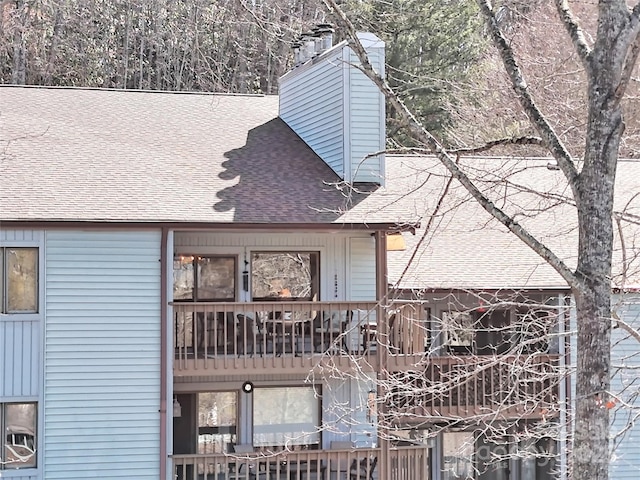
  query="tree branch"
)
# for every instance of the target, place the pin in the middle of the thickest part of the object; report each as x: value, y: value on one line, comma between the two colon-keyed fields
x: 420, y: 134
x: 629, y: 64
x: 575, y: 32
x: 526, y: 140
x: 551, y: 140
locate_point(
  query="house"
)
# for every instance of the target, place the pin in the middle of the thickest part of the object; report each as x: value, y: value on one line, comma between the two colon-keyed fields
x: 196, y: 286
x: 488, y: 299
x: 191, y: 284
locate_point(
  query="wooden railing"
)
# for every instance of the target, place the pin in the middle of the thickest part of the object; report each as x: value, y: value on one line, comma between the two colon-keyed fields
x: 462, y: 386
x: 271, y: 334
x: 353, y: 464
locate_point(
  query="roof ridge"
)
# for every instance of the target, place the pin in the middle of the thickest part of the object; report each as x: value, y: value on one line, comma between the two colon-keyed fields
x: 131, y: 90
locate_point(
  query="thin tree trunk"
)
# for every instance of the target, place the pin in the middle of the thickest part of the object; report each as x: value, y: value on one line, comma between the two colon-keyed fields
x: 19, y: 71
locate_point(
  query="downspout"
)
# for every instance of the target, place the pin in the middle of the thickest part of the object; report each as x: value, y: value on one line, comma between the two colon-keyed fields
x: 163, y: 353
x: 383, y: 332
x: 564, y: 389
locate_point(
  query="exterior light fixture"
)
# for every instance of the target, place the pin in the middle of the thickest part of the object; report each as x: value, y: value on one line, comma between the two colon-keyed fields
x: 177, y: 408
x: 247, y: 387
x: 371, y: 406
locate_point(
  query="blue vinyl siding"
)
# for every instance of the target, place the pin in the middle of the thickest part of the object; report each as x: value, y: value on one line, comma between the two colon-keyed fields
x: 102, y: 355
x: 20, y: 334
x: 625, y: 382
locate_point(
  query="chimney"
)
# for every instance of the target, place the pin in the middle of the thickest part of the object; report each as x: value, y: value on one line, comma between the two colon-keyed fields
x: 326, y: 35
x: 336, y: 109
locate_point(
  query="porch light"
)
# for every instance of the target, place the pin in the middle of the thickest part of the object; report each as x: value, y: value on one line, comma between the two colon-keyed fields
x: 247, y: 387
x: 395, y: 242
x: 371, y: 406
x: 177, y: 408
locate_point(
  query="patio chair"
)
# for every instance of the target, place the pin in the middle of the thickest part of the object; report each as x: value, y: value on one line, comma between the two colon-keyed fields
x: 363, y: 469
x: 338, y: 469
x: 252, y: 331
x: 244, y: 468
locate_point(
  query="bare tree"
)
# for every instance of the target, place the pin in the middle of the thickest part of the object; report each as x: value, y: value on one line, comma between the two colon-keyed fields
x: 608, y: 61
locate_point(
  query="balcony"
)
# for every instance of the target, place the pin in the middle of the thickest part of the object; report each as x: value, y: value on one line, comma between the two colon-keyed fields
x: 294, y: 336
x: 449, y: 387
x: 352, y: 464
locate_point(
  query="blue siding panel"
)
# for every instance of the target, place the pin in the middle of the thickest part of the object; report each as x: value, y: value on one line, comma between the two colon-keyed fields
x: 102, y: 355
x: 625, y: 382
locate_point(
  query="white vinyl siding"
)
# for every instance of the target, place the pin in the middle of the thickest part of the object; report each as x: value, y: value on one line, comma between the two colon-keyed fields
x: 362, y: 269
x: 367, y: 113
x: 102, y: 355
x: 344, y: 417
x: 333, y: 248
x: 338, y: 111
x: 625, y: 382
x: 312, y: 106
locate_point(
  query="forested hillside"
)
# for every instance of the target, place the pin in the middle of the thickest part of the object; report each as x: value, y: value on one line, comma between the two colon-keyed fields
x: 438, y: 57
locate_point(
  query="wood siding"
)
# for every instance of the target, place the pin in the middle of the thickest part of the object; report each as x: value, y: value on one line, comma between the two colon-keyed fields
x: 102, y: 355
x: 625, y: 383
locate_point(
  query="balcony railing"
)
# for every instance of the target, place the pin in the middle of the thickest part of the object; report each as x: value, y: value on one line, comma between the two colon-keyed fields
x: 271, y: 333
x: 353, y: 464
x: 462, y: 386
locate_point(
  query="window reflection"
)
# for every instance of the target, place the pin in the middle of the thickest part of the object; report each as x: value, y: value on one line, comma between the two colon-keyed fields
x: 217, y: 414
x: 287, y: 275
x: 211, y: 278
x: 19, y: 272
x: 19, y: 421
x: 286, y: 416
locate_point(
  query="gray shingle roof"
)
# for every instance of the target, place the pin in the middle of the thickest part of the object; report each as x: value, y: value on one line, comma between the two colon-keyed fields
x: 467, y: 249
x: 125, y: 156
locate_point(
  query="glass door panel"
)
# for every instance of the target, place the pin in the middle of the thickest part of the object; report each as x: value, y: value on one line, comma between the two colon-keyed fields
x: 217, y: 419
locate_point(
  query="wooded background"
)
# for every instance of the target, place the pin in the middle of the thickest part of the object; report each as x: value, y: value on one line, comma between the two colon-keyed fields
x: 439, y: 59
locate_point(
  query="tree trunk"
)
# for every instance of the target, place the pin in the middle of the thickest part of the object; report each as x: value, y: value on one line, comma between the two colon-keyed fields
x: 19, y: 70
x: 595, y: 209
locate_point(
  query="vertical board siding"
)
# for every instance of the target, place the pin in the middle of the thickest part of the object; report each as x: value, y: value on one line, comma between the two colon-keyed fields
x: 362, y: 269
x: 19, y: 358
x: 311, y: 103
x: 364, y: 430
x: 336, y: 410
x: 20, y: 334
x: 625, y: 383
x: 366, y: 109
x: 16, y: 237
x: 102, y: 355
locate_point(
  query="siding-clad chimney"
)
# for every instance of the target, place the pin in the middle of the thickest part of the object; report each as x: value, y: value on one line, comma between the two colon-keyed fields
x: 337, y: 110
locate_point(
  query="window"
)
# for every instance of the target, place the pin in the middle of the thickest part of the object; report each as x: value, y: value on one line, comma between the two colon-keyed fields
x: 18, y: 280
x: 458, y: 329
x: 286, y: 416
x: 217, y: 414
x: 293, y: 275
x: 204, y: 279
x: 18, y: 445
x: 457, y: 453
